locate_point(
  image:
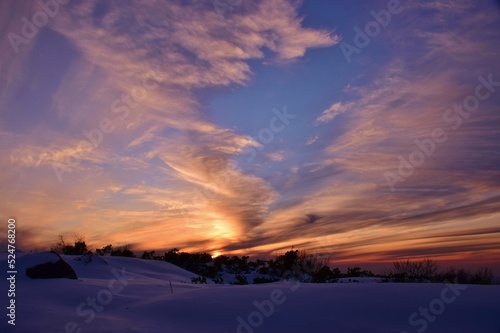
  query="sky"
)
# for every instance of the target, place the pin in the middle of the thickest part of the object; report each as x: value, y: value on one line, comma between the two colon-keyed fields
x: 367, y: 130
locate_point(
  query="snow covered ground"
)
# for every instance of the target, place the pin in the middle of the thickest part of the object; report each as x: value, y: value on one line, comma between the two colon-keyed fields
x: 132, y: 295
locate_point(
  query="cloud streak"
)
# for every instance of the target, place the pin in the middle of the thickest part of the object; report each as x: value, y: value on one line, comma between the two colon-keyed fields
x: 331, y: 112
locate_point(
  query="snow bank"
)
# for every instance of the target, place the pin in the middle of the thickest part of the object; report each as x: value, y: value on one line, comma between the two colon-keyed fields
x: 133, y: 295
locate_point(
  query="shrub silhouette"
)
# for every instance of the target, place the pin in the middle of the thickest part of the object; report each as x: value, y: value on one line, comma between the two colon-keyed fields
x: 78, y: 248
x: 296, y: 265
x: 120, y: 251
x: 259, y: 280
x: 357, y: 272
x: 325, y: 274
x: 198, y: 279
x: 123, y: 251
x: 465, y: 276
x: 354, y: 272
x: 293, y: 264
x: 483, y: 275
x: 240, y: 279
x: 218, y: 280
x: 427, y: 271
x: 414, y: 271
x: 148, y: 255
x: 105, y: 250
x: 194, y: 262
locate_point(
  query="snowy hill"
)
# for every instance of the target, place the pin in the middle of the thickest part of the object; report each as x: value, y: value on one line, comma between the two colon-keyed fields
x: 115, y: 294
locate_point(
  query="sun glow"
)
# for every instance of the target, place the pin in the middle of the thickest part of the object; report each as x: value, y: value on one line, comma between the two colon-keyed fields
x: 223, y: 229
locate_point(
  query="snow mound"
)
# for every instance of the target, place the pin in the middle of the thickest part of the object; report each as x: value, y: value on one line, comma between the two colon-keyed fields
x: 29, y: 260
x: 43, y: 265
x: 134, y: 295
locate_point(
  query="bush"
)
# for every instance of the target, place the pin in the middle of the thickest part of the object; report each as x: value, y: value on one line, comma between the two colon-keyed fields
x: 297, y: 265
x: 199, y: 263
x: 218, y: 280
x: 325, y: 274
x: 240, y: 279
x: 357, y: 272
x: 354, y: 272
x: 148, y: 255
x: 78, y: 248
x: 466, y: 276
x: 262, y: 267
x: 105, y: 250
x: 198, y: 279
x: 427, y: 270
x: 483, y: 276
x: 463, y: 276
x: 237, y: 265
x: 414, y: 271
x: 259, y: 280
x: 123, y: 251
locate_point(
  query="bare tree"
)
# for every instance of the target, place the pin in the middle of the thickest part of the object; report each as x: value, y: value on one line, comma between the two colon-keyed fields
x: 60, y: 245
x: 414, y: 271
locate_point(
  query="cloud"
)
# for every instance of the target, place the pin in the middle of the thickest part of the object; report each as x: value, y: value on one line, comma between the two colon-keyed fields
x: 138, y: 65
x: 389, y: 107
x: 13, y: 62
x: 330, y: 113
x: 275, y: 156
x: 311, y: 140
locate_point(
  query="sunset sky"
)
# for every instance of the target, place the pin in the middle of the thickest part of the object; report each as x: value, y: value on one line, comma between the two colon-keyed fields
x: 249, y: 127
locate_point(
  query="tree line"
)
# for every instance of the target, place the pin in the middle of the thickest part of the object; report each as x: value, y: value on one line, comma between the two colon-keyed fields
x: 292, y: 265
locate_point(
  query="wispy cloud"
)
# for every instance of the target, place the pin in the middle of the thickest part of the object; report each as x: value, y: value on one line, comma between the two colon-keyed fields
x: 330, y: 113
x: 161, y: 132
x: 311, y: 140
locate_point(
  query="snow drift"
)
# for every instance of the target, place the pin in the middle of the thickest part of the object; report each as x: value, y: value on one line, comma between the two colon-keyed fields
x: 115, y: 294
